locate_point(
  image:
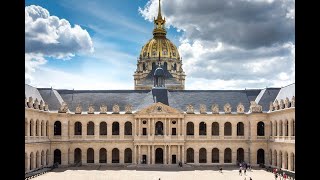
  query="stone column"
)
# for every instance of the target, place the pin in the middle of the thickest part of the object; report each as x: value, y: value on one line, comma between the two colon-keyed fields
x: 290, y: 129
x: 246, y: 155
x: 165, y: 154
x: 165, y: 127
x: 149, y: 129
x: 28, y: 130
x: 96, y: 130
x: 64, y: 157
x: 121, y: 155
x: 178, y: 127
x: 169, y: 152
x: 109, y: 156
x: 121, y: 130
x: 169, y: 121
x: 139, y: 154
x: 233, y: 156
x: 84, y: 129
x: 84, y: 155
x: 182, y: 154
x: 196, y: 156
x: 234, y: 130
x: 134, y: 155
x: 182, y: 127
x: 135, y: 127
x: 221, y: 156
x: 43, y: 129
x: 196, y: 130
x: 27, y: 162
x: 178, y: 154
x: 221, y: 129
x: 34, y: 128
x: 109, y: 130
x: 209, y: 156
x: 96, y: 156
x: 278, y: 129
x: 139, y: 130
x: 71, y: 156
x: 149, y: 155
x: 283, y: 160
x: 153, y: 154
x: 289, y: 161
x: 209, y: 127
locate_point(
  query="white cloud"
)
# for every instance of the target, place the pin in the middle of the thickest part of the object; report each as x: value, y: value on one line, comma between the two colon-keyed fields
x: 49, y: 36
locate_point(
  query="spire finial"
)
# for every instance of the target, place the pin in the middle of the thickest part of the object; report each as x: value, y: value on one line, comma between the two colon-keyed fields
x: 159, y: 11
x: 159, y: 57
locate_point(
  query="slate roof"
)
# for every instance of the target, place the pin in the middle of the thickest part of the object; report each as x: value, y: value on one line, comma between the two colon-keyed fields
x: 266, y: 96
x: 52, y: 97
x: 287, y: 91
x: 32, y: 92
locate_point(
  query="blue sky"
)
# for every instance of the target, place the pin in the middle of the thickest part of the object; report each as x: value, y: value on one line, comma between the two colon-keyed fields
x: 118, y: 30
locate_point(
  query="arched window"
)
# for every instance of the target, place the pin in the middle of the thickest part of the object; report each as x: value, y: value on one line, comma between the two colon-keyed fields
x: 240, y: 129
x: 37, y: 128
x: 159, y: 128
x: 292, y: 162
x: 115, y: 155
x: 41, y: 128
x: 31, y: 127
x: 26, y: 126
x: 190, y: 155
x: 128, y: 128
x: 57, y: 128
x: 26, y: 159
x: 47, y: 157
x: 260, y: 156
x: 280, y: 129
x: 190, y: 128
x: 227, y: 129
x: 90, y: 128
x: 77, y: 128
x: 286, y: 160
x: 240, y: 155
x: 77, y: 155
x: 47, y: 128
x: 215, y: 155
x: 271, y: 128
x: 103, y: 128
x: 275, y: 158
x: 103, y: 155
x: 31, y: 161
x: 260, y: 128
x: 275, y: 128
x: 37, y: 159
x: 287, y: 128
x: 90, y: 155
x: 270, y: 157
x: 128, y: 155
x: 202, y: 155
x: 215, y: 129
x: 227, y: 155
x: 175, y: 66
x: 57, y: 156
x: 202, y: 128
x: 115, y: 128
x: 42, y: 161
x: 293, y: 128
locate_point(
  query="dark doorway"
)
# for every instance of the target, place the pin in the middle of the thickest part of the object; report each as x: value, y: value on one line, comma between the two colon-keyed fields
x: 57, y: 128
x: 260, y: 128
x: 159, y: 156
x: 115, y: 128
x: 174, y: 131
x: 77, y: 155
x: 115, y: 155
x: 144, y: 159
x: 174, y: 159
x: 90, y: 155
x: 260, y: 156
x: 240, y: 155
x: 144, y: 131
x: 190, y: 128
x: 128, y: 155
x: 103, y: 155
x: 57, y: 156
x: 190, y: 155
x: 78, y: 128
x: 159, y: 128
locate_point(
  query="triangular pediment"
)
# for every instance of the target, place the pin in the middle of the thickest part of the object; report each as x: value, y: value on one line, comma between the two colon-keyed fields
x: 158, y: 108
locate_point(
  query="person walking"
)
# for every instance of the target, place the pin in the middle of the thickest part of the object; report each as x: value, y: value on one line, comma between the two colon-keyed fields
x: 275, y: 176
x: 245, y: 172
x: 250, y: 178
x: 240, y: 173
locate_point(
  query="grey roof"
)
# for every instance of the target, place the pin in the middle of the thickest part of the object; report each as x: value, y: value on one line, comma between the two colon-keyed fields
x: 287, y: 91
x: 32, y: 92
x: 181, y: 98
x: 266, y: 96
x: 52, y: 97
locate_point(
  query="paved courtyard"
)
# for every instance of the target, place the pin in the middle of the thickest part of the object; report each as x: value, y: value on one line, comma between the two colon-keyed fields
x: 151, y: 173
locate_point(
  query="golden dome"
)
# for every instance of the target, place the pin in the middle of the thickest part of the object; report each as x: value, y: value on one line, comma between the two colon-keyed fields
x: 159, y: 45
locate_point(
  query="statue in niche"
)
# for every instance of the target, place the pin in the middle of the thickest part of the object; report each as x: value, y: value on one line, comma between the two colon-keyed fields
x: 103, y: 109
x: 190, y: 109
x: 30, y: 102
x: 128, y: 109
x: 293, y: 101
x: 46, y: 107
x: 41, y: 105
x: 203, y: 109
x: 286, y: 103
x: 64, y: 108
x: 276, y: 105
x: 90, y: 109
x: 36, y: 104
x: 281, y: 104
x: 227, y: 108
x: 215, y: 109
x: 116, y: 109
x: 78, y: 109
x: 255, y: 108
x: 240, y: 108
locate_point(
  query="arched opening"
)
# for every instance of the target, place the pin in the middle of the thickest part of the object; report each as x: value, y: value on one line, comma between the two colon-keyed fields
x: 202, y: 155
x: 190, y: 155
x: 287, y: 128
x: 77, y: 128
x: 280, y: 160
x: 26, y: 126
x: 275, y: 128
x: 115, y: 128
x: 260, y: 128
x: 57, y: 156
x: 260, y: 156
x: 103, y: 155
x: 128, y: 128
x: 115, y: 155
x: 159, y: 156
x: 128, y: 155
x: 47, y: 157
x: 227, y: 155
x: 103, y: 128
x: 41, y: 128
x: 37, y: 159
x: 227, y: 129
x: 292, y: 162
x: 215, y: 129
x: 240, y: 129
x: 240, y: 155
x: 69, y: 162
x: 280, y: 128
x: 37, y: 128
x: 47, y: 128
x: 31, y: 161
x: 271, y: 128
x: 215, y: 155
x: 57, y: 128
x: 202, y: 129
x: 26, y: 162
x: 31, y: 127
x: 90, y: 155
x: 275, y: 158
x: 286, y: 160
x: 190, y: 128
x: 293, y: 128
x: 77, y: 155
x: 159, y: 128
x: 270, y: 157
x: 42, y: 161
x: 90, y: 128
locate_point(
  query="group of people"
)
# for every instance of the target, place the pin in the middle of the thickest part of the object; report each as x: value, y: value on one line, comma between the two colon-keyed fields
x: 278, y: 173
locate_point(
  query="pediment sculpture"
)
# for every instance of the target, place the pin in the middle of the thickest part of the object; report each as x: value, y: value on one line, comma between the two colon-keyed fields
x: 255, y: 108
x: 293, y: 101
x: 227, y: 108
x: 64, y: 108
x: 281, y: 104
x: 286, y: 103
x: 103, y: 109
x: 190, y: 109
x: 90, y: 109
x: 46, y: 107
x: 203, y: 109
x: 215, y: 109
x: 116, y: 109
x: 240, y: 108
x: 276, y: 105
x: 271, y: 106
x: 78, y: 109
x: 128, y: 109
x: 30, y: 102
x: 41, y: 105
x: 36, y: 104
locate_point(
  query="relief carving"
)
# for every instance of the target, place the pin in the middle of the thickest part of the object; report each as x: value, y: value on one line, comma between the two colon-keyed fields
x: 103, y: 109
x: 215, y: 109
x: 78, y: 109
x: 240, y: 108
x: 227, y: 108
x: 203, y: 109
x: 64, y: 108
x: 190, y: 109
x: 115, y: 109
x: 255, y: 108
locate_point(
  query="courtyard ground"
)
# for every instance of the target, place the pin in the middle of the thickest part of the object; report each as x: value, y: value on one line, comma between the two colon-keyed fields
x: 152, y: 173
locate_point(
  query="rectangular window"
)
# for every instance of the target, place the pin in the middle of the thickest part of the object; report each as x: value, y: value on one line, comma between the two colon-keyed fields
x: 144, y: 131
x: 174, y: 131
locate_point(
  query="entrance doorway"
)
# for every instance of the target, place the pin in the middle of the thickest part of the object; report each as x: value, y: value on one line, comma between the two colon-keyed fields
x: 174, y: 159
x: 159, y: 156
x: 144, y: 159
